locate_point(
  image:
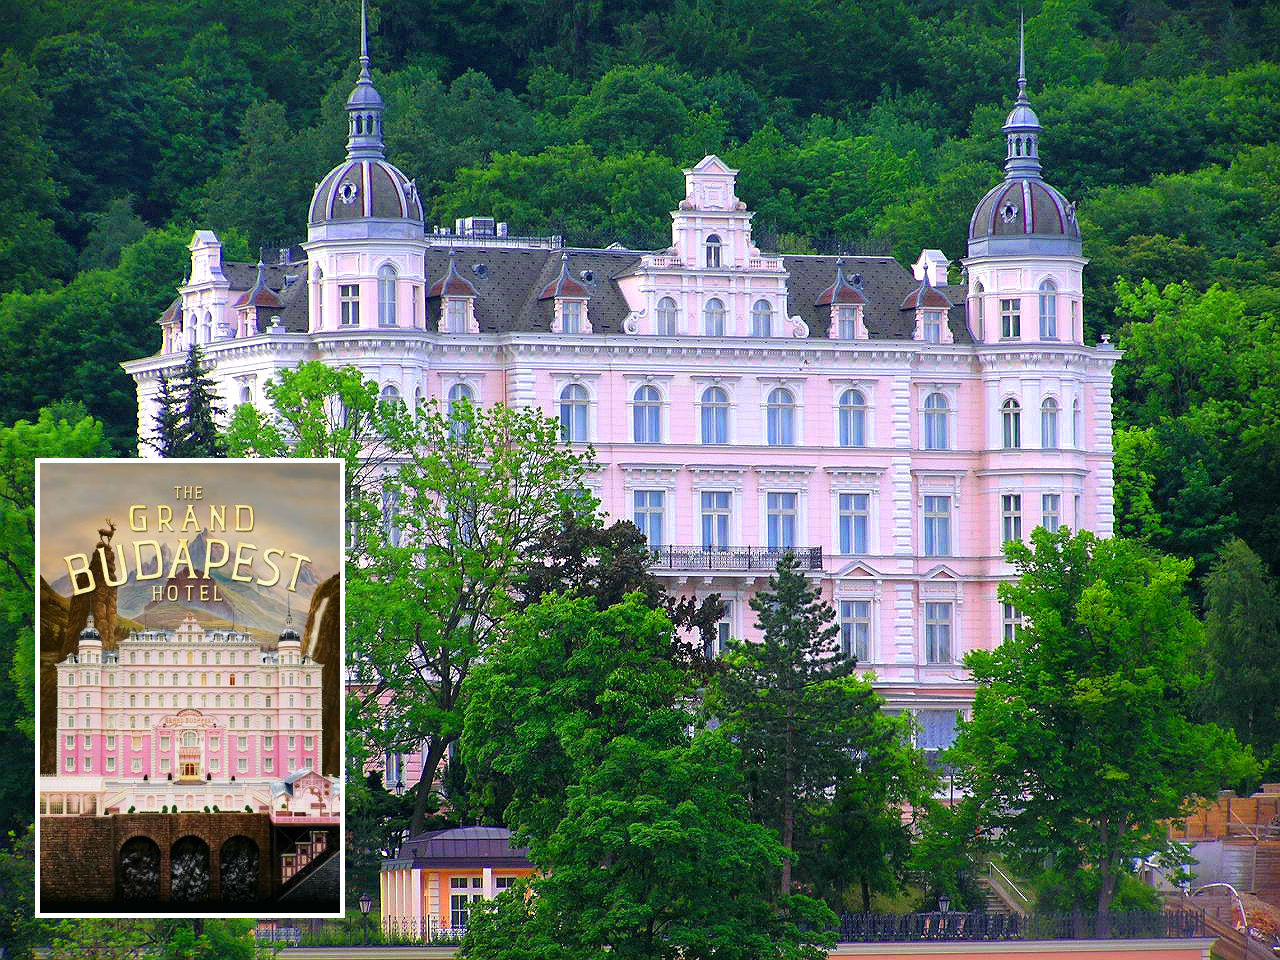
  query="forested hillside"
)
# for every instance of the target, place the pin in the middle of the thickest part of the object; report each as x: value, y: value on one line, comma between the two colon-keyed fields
x: 129, y: 122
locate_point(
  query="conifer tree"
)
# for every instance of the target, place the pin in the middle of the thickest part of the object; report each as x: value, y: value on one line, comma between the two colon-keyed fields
x: 201, y: 435
x: 168, y: 421
x: 794, y: 705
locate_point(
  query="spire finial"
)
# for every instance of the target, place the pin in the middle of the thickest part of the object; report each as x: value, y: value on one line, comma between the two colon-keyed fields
x: 364, y: 37
x: 1022, y: 54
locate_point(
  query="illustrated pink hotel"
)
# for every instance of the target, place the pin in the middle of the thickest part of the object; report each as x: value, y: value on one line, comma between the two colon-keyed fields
x: 190, y: 719
x: 892, y: 428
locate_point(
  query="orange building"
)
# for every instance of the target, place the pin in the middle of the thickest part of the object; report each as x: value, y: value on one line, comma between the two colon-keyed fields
x: 428, y: 889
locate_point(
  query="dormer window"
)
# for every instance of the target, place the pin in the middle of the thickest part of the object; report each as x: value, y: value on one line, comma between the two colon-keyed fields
x: 932, y: 326
x: 571, y: 316
x: 713, y: 250
x: 456, y: 315
x: 349, y: 296
x: 847, y: 322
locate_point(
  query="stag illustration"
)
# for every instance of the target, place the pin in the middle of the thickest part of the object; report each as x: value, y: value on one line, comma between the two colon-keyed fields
x: 107, y: 532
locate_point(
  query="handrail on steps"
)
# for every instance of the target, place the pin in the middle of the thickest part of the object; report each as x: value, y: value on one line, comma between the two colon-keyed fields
x: 1008, y: 883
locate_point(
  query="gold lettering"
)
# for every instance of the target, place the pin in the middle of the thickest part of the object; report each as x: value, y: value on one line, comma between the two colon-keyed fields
x: 189, y: 521
x: 209, y: 563
x: 83, y: 559
x: 244, y: 526
x: 182, y: 555
x: 242, y: 560
x: 121, y: 571
x: 138, y: 518
x: 137, y: 560
x: 297, y: 568
x: 164, y: 517
x: 218, y: 517
x: 266, y: 558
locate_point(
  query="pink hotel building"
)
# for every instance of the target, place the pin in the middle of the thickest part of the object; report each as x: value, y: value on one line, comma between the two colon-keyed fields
x: 189, y: 719
x: 891, y: 427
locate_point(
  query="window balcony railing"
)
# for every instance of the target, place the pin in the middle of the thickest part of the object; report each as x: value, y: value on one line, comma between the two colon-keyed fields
x: 765, y: 263
x: 732, y: 558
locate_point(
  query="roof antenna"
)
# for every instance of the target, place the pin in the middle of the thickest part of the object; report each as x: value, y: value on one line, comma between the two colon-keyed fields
x: 364, y: 38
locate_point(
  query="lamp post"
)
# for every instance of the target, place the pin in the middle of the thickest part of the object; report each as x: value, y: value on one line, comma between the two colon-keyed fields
x: 944, y: 910
x: 366, y: 902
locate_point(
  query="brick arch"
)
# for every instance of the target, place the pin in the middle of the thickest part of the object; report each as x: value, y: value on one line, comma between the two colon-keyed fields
x: 190, y: 869
x: 139, y: 863
x: 239, y: 868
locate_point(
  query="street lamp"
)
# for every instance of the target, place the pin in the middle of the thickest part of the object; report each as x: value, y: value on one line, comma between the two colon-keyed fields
x: 944, y: 904
x: 365, y: 902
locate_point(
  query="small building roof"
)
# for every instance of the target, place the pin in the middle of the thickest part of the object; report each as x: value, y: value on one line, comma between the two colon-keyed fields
x: 462, y: 847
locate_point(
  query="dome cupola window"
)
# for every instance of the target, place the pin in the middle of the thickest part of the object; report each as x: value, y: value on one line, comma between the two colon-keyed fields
x: 845, y: 301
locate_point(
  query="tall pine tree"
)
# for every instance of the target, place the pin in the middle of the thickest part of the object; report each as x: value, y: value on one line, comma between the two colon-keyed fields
x: 168, y: 421
x: 200, y: 435
x: 794, y: 706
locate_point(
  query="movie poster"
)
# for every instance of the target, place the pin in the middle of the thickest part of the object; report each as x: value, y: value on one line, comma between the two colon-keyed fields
x: 189, y: 705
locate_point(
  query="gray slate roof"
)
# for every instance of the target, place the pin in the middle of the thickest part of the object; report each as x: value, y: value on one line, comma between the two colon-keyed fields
x: 512, y: 279
x: 465, y: 846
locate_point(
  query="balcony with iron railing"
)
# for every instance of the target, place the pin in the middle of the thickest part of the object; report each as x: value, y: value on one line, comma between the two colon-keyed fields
x: 732, y: 558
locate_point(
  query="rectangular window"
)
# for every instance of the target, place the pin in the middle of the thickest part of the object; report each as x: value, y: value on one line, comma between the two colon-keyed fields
x: 267, y: 741
x: 847, y: 324
x: 1010, y: 621
x: 242, y: 765
x: 71, y: 764
x: 571, y: 316
x: 111, y: 764
x: 88, y: 764
x: 1010, y: 319
x: 164, y: 764
x: 937, y: 526
x: 723, y: 631
x: 715, y: 519
x: 308, y: 742
x: 463, y: 892
x: 71, y: 741
x: 855, y: 522
x: 1011, y: 517
x: 932, y: 326
x: 349, y: 294
x: 781, y: 517
x: 164, y: 743
x: 937, y: 632
x: 242, y: 742
x: 456, y: 315
x: 415, y: 295
x: 503, y: 883
x: 268, y: 764
x: 855, y: 629
x: 1079, y: 512
x: 135, y: 765
x: 1051, y: 511
x: 293, y: 743
x: 649, y: 513
x: 937, y: 732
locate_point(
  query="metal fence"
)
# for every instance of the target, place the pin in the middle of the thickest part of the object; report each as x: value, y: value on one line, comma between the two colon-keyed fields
x: 957, y: 926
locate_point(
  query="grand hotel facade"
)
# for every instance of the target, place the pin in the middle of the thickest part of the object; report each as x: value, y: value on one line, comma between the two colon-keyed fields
x: 892, y: 428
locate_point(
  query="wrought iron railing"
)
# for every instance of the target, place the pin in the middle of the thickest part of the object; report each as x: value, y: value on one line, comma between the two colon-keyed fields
x: 732, y: 558
x: 955, y: 925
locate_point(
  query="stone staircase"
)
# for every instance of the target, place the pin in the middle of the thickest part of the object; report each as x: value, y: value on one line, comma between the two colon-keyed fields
x: 1002, y: 894
x: 294, y: 862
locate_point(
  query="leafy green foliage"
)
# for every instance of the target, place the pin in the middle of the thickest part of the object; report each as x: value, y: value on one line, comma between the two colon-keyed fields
x: 810, y: 729
x: 1083, y: 740
x: 1242, y: 648
x: 639, y: 825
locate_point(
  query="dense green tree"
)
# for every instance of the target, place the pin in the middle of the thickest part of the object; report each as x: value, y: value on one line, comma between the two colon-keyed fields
x: 52, y: 435
x: 1082, y: 742
x: 166, y: 436
x: 794, y: 706
x: 638, y: 824
x: 1242, y: 634
x: 32, y: 254
x: 199, y: 433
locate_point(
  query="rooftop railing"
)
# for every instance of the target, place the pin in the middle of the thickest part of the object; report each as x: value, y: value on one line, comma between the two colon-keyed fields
x: 732, y: 558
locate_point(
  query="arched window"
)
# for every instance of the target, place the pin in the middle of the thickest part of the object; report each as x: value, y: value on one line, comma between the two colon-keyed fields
x: 853, y: 419
x: 762, y: 319
x: 715, y: 415
x: 189, y: 739
x: 1011, y: 417
x: 713, y: 250
x: 206, y: 331
x: 457, y: 394
x: 713, y: 318
x: 319, y: 275
x: 781, y: 418
x: 573, y: 413
x: 1075, y: 424
x: 386, y: 295
x: 246, y: 394
x: 978, y: 313
x: 1048, y: 310
x: 936, y: 412
x: 1049, y: 424
x: 666, y: 318
x: 390, y: 394
x: 647, y: 415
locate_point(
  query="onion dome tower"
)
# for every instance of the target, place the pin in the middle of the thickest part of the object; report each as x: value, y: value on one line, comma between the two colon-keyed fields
x: 366, y: 207
x: 1024, y: 253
